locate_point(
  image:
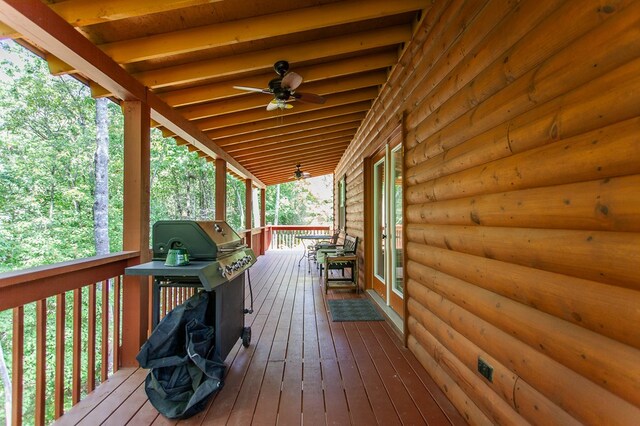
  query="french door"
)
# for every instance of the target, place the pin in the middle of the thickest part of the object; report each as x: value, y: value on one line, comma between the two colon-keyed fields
x: 386, y: 222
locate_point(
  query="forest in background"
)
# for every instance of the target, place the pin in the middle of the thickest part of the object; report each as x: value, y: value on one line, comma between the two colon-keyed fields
x: 48, y: 183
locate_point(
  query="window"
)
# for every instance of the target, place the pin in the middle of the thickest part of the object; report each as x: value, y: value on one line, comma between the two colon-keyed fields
x: 342, y: 203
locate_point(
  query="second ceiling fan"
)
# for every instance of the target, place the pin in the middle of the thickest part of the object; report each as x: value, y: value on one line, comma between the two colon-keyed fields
x: 283, y: 89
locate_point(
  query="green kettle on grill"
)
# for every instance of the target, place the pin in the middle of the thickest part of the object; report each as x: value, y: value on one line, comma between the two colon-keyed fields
x: 177, y: 257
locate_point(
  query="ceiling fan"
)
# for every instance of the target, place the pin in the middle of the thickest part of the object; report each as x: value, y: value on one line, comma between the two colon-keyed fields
x: 299, y: 174
x: 283, y: 89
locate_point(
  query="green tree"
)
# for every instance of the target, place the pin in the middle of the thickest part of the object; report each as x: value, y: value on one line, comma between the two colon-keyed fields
x: 46, y: 149
x: 47, y: 146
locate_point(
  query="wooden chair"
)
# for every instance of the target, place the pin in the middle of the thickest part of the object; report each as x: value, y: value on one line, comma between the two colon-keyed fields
x: 322, y: 251
x: 332, y: 243
x: 341, y: 259
x: 325, y: 245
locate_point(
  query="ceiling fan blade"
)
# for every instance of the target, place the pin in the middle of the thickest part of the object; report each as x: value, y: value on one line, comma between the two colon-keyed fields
x: 311, y: 98
x: 291, y: 81
x: 252, y: 89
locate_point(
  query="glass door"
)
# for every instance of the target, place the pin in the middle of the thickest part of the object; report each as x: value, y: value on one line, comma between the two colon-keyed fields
x: 395, y: 227
x: 387, y: 279
x: 380, y: 228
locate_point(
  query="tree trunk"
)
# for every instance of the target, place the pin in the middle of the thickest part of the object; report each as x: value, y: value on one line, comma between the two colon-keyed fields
x: 240, y: 208
x: 101, y: 202
x: 256, y: 208
x: 4, y: 373
x: 277, y: 206
x: 101, y: 163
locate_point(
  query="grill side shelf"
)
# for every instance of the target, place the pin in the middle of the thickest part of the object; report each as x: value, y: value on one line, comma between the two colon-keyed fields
x: 207, y: 272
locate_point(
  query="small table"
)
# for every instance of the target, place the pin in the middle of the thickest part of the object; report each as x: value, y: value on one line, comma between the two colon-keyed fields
x: 342, y: 282
x: 315, y: 239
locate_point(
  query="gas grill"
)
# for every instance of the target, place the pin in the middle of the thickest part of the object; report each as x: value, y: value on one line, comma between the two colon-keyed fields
x: 217, y: 261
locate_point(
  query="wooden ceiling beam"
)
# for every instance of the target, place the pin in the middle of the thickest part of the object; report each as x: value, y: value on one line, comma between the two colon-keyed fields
x: 329, y: 146
x: 329, y: 134
x: 287, y: 170
x: 343, y: 134
x: 80, y: 13
x: 293, y: 129
x: 290, y: 162
x: 285, y: 173
x: 282, y: 121
x: 258, y: 114
x: 259, y: 100
x: 307, y: 158
x: 42, y: 26
x: 254, y: 28
x: 264, y: 59
x: 329, y: 69
x: 292, y: 138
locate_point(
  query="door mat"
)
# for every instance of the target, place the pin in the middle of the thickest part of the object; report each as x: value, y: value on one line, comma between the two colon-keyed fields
x: 353, y: 310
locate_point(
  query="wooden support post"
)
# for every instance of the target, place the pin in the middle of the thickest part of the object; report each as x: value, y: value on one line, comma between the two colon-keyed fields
x: 136, y: 226
x: 248, y: 205
x: 221, y: 189
x: 263, y: 220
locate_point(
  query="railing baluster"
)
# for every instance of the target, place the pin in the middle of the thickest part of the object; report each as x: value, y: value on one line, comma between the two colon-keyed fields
x: 104, y: 369
x: 59, y: 380
x: 165, y: 298
x: 41, y: 360
x: 17, y: 368
x: 116, y: 324
x: 91, y: 340
x: 77, y: 345
x: 50, y: 383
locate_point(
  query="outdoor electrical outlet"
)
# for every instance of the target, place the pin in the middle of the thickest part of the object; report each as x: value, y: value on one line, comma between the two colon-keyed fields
x: 485, y: 369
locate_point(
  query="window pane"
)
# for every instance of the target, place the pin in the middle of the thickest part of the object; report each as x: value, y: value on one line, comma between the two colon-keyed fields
x: 379, y: 219
x: 397, y: 218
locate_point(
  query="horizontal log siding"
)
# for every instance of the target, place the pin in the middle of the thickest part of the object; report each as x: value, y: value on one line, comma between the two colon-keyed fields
x: 522, y: 156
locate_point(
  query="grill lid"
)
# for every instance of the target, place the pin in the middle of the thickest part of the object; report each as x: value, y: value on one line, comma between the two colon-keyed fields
x: 203, y: 240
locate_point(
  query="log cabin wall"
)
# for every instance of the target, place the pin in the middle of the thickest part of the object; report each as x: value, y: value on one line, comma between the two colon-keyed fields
x: 522, y: 159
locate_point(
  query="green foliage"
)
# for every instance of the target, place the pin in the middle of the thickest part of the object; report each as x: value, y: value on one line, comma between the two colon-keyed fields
x: 302, y: 202
x: 235, y: 203
x: 45, y: 139
x: 47, y: 144
x: 182, y: 184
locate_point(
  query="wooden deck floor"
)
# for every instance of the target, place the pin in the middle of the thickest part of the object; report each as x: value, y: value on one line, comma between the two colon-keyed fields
x: 301, y: 367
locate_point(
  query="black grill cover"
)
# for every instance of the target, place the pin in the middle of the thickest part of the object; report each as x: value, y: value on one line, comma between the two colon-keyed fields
x: 185, y: 371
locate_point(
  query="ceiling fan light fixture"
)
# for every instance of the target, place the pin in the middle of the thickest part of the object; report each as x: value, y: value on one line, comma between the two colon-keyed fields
x: 298, y: 174
x: 278, y: 104
x: 283, y: 89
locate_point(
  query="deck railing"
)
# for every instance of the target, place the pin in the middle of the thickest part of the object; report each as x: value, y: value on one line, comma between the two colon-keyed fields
x: 284, y: 236
x: 66, y: 324
x: 85, y: 338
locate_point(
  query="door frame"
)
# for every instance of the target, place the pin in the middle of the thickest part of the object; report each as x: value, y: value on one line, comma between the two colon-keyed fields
x: 394, y: 138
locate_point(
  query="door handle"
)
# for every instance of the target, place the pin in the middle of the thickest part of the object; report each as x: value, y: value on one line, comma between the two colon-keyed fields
x: 384, y: 236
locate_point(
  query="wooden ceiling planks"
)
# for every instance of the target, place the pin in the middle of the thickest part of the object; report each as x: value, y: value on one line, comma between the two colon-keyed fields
x: 191, y: 53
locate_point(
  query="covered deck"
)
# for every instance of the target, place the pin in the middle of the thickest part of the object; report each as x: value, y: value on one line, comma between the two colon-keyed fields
x: 301, y: 367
